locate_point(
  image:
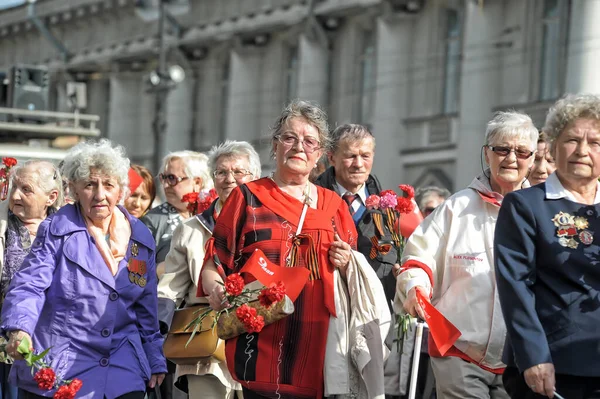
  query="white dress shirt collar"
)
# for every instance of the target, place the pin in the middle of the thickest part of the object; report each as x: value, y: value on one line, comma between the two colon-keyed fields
x: 555, y: 190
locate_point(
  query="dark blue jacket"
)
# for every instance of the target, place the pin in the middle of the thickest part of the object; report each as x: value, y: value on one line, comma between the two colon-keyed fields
x: 548, y: 285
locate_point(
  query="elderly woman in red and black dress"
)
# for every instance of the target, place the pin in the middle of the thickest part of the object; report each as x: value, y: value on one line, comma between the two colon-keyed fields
x: 286, y: 358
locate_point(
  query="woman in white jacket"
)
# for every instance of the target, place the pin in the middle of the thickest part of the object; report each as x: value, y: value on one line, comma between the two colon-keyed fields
x: 450, y: 259
x: 232, y: 163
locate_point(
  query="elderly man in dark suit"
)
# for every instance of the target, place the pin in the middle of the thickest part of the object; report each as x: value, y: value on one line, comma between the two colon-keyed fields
x: 351, y: 157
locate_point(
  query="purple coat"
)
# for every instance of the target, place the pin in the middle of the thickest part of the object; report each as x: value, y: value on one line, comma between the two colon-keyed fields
x: 102, y: 329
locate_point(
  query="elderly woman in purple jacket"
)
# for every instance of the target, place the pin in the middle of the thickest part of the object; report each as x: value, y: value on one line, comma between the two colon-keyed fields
x: 87, y: 290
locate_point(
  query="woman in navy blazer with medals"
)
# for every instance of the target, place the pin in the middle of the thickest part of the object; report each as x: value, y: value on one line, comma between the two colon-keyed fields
x: 547, y: 247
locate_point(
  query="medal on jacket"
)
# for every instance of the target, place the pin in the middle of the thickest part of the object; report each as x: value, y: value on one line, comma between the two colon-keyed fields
x: 134, y: 249
x: 136, y: 267
x: 570, y: 228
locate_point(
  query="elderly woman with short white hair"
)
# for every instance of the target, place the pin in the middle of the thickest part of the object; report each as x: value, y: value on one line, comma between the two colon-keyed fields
x: 183, y: 172
x: 36, y: 193
x: 232, y: 163
x: 449, y: 259
x: 547, y: 264
x: 87, y: 289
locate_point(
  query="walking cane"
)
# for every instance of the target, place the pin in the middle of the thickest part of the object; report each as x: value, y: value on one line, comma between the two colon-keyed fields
x: 414, y: 372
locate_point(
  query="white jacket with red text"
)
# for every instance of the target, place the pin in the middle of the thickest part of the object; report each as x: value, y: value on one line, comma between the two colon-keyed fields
x: 451, y: 255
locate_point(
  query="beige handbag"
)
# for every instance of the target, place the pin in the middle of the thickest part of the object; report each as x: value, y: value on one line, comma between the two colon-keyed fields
x: 205, y: 344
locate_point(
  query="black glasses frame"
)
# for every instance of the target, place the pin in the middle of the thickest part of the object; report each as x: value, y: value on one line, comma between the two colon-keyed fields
x: 504, y: 151
x: 171, y: 179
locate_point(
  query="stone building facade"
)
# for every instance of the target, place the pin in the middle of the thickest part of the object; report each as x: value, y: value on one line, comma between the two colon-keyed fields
x: 425, y: 75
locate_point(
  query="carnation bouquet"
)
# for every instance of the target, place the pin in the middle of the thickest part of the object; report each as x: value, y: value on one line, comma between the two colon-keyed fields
x: 7, y: 164
x: 388, y: 209
x: 42, y: 373
x: 199, y: 202
x: 243, y: 305
x: 252, y: 306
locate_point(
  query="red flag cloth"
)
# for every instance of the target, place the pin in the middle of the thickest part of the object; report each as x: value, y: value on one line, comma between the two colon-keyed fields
x: 134, y: 180
x: 409, y: 221
x: 267, y: 272
x: 443, y: 333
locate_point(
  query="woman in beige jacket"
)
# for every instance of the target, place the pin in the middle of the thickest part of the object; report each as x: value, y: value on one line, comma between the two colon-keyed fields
x: 232, y: 163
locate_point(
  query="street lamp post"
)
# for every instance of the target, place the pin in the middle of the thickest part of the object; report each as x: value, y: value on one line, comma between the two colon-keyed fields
x: 161, y: 90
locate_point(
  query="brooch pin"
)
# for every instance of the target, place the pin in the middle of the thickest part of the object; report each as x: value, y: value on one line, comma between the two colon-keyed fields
x: 568, y: 228
x: 134, y: 249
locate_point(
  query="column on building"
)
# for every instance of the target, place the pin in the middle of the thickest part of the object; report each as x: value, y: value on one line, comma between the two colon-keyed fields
x: 209, y: 99
x: 480, y: 80
x: 130, y: 116
x: 391, y: 96
x: 98, y: 99
x: 179, y: 115
x: 312, y: 74
x: 244, y: 99
x: 583, y: 48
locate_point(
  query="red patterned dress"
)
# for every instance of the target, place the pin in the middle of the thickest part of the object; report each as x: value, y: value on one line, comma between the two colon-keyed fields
x: 286, y: 359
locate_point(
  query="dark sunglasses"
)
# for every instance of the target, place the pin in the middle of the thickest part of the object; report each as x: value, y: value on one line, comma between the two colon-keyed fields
x: 171, y: 179
x: 520, y: 153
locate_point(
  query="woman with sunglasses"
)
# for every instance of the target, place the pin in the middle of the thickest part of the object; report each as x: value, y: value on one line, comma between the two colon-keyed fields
x: 547, y: 264
x: 183, y: 172
x: 449, y: 259
x: 233, y: 163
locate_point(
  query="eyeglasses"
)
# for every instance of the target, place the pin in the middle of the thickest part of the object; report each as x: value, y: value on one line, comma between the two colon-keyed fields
x: 309, y: 144
x: 520, y: 153
x: 171, y: 179
x: 238, y: 174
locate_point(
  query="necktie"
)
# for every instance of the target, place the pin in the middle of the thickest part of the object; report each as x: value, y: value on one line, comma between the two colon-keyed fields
x: 349, y: 199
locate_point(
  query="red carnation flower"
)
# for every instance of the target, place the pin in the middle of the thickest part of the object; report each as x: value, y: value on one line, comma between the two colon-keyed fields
x: 405, y: 205
x: 387, y: 192
x: 206, y: 201
x: 64, y: 392
x: 372, y: 201
x: 234, y: 284
x: 190, y: 197
x: 245, y: 313
x: 45, y: 378
x: 75, y: 385
x: 408, y: 189
x: 9, y: 162
x: 273, y: 294
x: 254, y: 324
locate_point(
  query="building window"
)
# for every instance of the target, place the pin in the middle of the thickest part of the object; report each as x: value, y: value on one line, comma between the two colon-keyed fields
x: 452, y: 62
x: 291, y: 74
x: 554, y: 26
x: 224, y: 96
x: 367, y: 78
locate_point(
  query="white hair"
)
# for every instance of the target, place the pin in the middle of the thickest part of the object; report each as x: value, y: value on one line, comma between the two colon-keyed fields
x: 104, y: 156
x: 195, y: 164
x: 46, y: 176
x: 510, y: 125
x: 568, y: 109
x: 231, y: 148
